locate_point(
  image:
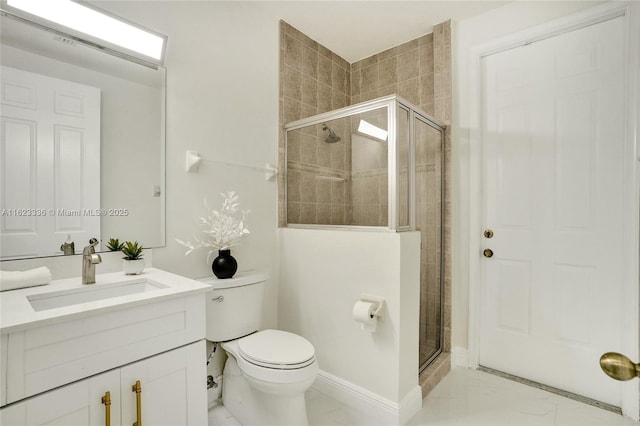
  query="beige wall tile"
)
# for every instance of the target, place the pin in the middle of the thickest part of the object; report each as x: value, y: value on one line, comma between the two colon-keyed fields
x: 410, y: 90
x: 308, y: 188
x: 324, y: 98
x: 307, y: 213
x: 324, y: 155
x: 338, y: 99
x: 338, y: 215
x: 339, y: 78
x: 310, y: 62
x: 410, y: 45
x: 293, y: 186
x: 325, y: 52
x: 293, y: 88
x: 370, y: 79
x: 323, y: 214
x: 387, y: 72
x: 425, y: 58
x: 309, y: 91
x: 292, y: 110
x: 323, y: 191
x: 293, y: 52
x: 294, y: 141
x: 387, y: 54
x: 325, y: 70
x: 293, y: 212
x: 338, y: 192
x: 408, y: 65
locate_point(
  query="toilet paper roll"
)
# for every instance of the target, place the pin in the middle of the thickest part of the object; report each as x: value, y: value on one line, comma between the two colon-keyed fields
x: 363, y: 314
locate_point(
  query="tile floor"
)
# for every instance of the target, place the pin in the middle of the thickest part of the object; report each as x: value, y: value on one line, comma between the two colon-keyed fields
x: 465, y: 398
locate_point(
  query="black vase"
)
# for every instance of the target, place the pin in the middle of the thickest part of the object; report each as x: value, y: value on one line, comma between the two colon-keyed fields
x: 225, y: 265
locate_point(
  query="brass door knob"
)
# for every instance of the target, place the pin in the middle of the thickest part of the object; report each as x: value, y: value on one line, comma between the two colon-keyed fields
x: 487, y: 253
x: 619, y: 367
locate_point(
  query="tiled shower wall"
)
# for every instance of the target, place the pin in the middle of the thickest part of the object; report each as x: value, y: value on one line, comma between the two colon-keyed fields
x: 406, y: 70
x: 311, y: 82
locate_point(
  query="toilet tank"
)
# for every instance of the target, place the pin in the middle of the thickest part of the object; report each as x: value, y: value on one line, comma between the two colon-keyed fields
x: 234, y: 307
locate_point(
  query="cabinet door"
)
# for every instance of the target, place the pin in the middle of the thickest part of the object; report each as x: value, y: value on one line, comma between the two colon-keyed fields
x: 173, y: 388
x: 78, y: 404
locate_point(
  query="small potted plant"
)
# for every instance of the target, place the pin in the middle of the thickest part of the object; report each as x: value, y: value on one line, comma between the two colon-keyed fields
x: 133, y: 263
x: 222, y: 230
x: 114, y: 244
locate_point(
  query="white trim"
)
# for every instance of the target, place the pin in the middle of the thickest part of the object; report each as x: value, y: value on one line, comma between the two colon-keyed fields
x: 630, y: 328
x: 631, y: 269
x: 459, y: 357
x: 385, y: 411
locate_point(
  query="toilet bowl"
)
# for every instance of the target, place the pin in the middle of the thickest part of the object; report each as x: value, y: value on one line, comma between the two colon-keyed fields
x: 267, y: 372
x: 265, y: 378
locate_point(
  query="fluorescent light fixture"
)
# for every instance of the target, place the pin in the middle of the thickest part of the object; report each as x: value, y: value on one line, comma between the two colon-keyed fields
x: 373, y: 131
x: 96, y: 24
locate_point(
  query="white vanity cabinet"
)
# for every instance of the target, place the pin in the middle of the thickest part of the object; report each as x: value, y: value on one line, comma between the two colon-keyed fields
x: 74, y: 404
x: 59, y: 358
x: 170, y: 394
x: 173, y: 388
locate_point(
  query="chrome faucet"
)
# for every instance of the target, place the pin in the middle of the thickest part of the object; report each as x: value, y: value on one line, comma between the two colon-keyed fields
x: 89, y: 261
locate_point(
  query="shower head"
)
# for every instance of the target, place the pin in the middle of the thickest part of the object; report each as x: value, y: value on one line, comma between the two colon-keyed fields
x: 331, y: 137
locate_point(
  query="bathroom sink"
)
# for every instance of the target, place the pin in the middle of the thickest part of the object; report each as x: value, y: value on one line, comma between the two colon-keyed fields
x: 92, y: 293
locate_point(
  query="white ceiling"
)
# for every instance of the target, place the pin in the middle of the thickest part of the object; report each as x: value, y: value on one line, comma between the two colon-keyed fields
x: 358, y: 29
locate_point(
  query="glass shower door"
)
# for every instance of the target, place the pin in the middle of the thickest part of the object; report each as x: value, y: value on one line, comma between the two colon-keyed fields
x: 429, y: 203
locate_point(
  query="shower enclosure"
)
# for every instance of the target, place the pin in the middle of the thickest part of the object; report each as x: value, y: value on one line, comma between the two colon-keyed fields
x: 376, y: 165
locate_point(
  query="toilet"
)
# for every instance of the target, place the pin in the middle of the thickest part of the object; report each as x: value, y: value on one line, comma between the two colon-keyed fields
x: 267, y: 372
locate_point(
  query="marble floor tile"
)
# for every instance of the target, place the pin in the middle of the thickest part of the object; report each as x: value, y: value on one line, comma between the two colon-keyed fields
x: 464, y: 398
x: 475, y: 398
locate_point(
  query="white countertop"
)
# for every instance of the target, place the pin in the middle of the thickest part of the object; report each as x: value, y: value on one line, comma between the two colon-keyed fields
x: 17, y: 314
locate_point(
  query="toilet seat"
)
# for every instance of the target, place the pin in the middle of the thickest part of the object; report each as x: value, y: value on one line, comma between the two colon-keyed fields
x: 271, y: 374
x: 276, y: 349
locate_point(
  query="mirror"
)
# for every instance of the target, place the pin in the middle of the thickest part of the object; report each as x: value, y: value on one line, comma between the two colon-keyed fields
x: 55, y: 184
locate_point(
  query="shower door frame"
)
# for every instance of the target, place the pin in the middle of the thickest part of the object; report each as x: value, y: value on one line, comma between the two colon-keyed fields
x: 390, y: 103
x: 441, y: 128
x: 393, y: 103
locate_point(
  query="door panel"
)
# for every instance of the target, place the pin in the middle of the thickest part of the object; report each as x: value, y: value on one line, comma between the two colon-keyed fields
x: 553, y: 144
x: 49, y: 163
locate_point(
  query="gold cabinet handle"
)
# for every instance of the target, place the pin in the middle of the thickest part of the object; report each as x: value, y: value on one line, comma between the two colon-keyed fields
x: 106, y: 400
x: 137, y: 388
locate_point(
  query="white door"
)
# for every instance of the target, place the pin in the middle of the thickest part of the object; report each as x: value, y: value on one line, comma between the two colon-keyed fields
x: 77, y: 404
x: 49, y: 163
x: 553, y: 139
x: 173, y: 388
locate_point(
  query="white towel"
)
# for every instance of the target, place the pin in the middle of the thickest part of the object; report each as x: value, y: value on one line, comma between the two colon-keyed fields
x: 10, y: 280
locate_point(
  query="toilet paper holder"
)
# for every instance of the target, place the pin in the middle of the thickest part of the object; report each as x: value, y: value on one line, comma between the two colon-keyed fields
x: 378, y: 302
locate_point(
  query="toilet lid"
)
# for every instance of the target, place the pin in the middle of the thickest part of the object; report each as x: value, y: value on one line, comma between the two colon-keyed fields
x: 276, y: 349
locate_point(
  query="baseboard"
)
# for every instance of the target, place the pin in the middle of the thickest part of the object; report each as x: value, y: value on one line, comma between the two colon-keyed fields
x: 354, y: 396
x: 459, y: 357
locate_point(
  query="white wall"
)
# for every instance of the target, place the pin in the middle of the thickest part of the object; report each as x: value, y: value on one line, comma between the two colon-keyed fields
x: 467, y: 35
x: 222, y: 101
x: 323, y: 273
